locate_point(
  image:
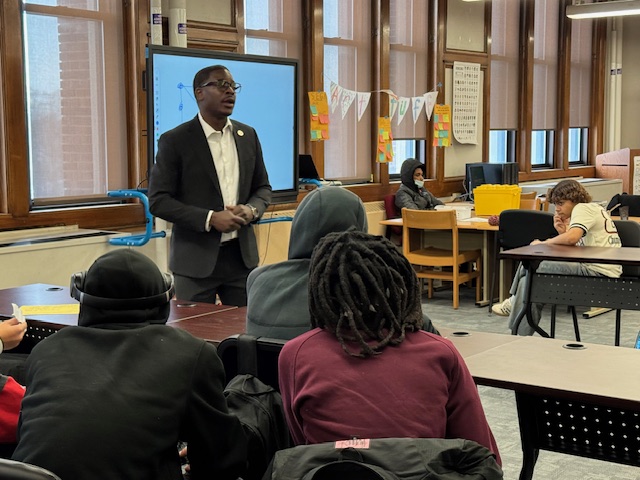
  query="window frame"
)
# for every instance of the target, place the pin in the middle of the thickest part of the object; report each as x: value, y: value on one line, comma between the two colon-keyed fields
x: 16, y: 209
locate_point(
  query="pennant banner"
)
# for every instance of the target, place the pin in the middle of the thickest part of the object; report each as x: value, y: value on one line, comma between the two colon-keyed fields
x: 403, y: 106
x: 348, y: 96
x: 393, y: 105
x: 336, y: 93
x: 418, y: 102
x: 429, y: 102
x: 345, y: 98
x: 363, y: 103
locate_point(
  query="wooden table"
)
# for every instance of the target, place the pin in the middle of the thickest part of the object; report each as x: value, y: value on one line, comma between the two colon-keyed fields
x: 204, y: 320
x: 214, y: 326
x: 615, y: 293
x: 487, y: 242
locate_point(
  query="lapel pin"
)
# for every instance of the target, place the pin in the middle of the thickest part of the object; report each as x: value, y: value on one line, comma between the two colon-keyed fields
x: 240, y: 133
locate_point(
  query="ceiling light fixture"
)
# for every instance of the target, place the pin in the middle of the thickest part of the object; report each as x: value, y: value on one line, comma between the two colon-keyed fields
x: 604, y: 9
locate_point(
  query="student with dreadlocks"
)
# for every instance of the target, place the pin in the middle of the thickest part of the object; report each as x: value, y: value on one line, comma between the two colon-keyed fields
x: 366, y: 369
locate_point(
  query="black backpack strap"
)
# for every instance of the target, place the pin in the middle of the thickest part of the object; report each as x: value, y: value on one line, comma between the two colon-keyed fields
x: 247, y: 355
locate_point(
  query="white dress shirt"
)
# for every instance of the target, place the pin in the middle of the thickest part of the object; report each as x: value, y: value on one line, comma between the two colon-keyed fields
x: 225, y: 159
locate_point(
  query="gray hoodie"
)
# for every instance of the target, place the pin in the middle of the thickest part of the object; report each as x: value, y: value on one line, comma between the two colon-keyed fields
x: 409, y: 195
x: 277, y: 295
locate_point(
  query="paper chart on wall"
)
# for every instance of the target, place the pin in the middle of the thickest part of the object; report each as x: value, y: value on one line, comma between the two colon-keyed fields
x: 635, y: 188
x: 466, y: 98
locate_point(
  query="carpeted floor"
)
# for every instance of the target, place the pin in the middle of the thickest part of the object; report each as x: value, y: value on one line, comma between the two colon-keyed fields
x: 500, y: 405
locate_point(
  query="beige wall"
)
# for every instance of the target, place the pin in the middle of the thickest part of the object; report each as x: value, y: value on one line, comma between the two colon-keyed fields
x: 54, y: 262
x: 630, y: 115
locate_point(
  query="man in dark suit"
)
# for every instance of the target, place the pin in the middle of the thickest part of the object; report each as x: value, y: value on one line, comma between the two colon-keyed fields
x: 210, y: 181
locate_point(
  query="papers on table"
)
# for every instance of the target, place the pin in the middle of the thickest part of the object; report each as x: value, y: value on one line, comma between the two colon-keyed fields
x: 18, y: 313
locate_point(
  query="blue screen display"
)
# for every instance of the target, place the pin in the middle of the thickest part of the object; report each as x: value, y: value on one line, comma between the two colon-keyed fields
x: 266, y: 101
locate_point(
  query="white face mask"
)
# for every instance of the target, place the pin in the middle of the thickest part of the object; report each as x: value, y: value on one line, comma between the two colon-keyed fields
x: 419, y: 183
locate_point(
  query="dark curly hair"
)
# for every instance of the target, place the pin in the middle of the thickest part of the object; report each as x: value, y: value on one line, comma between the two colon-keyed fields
x: 569, y: 190
x: 364, y: 291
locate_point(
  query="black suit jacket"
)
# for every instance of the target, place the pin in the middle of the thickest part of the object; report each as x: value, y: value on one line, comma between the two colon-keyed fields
x: 184, y: 186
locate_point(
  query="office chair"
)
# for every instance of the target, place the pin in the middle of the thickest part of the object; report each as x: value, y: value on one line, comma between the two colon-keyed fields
x: 632, y: 202
x: 518, y: 228
x: 392, y: 212
x: 10, y: 469
x: 431, y: 262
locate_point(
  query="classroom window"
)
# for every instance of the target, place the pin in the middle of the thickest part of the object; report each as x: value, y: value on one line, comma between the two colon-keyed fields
x: 580, y: 90
x: 504, y: 63
x: 407, y: 76
x: 542, y: 142
x: 578, y: 141
x: 403, y: 149
x: 502, y: 146
x: 545, y: 81
x: 75, y: 99
x: 348, y: 153
x: 270, y: 28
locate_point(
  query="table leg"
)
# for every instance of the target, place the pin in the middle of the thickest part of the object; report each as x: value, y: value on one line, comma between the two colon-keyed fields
x: 528, y: 434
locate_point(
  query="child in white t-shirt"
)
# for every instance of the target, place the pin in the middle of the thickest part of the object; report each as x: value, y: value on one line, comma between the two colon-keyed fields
x: 578, y: 222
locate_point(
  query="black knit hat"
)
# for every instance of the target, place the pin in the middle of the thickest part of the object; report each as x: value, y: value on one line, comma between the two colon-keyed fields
x: 123, y: 274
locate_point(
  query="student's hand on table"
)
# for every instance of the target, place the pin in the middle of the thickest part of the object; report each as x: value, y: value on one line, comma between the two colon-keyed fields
x: 536, y: 242
x: 11, y: 332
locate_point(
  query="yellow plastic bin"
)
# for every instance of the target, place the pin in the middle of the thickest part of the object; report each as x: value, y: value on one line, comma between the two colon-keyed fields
x: 493, y: 199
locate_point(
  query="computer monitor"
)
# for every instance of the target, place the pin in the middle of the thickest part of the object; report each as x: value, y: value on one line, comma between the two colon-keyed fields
x: 475, y: 178
x: 510, y: 173
x: 481, y: 173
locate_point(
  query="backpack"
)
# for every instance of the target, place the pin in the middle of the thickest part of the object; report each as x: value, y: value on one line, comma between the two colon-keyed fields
x: 259, y: 408
x: 386, y: 459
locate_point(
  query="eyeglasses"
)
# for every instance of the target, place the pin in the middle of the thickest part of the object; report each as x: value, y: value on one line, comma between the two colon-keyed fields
x: 222, y: 85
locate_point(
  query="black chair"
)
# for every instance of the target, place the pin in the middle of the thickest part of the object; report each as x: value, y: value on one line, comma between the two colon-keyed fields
x: 632, y: 202
x: 518, y: 228
x: 629, y: 233
x: 268, y: 350
x: 10, y: 469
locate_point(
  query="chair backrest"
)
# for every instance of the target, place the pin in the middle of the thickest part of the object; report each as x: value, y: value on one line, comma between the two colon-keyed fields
x: 429, y: 219
x: 390, y: 206
x: 416, y: 225
x: 268, y: 350
x: 10, y: 469
x: 629, y: 232
x: 528, y: 195
x: 625, y: 200
x: 530, y: 203
x: 520, y: 227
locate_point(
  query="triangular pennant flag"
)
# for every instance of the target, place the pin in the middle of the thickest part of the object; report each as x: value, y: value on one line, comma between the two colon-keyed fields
x: 403, y: 106
x: 363, y: 103
x: 393, y: 106
x: 430, y: 101
x: 336, y: 93
x: 418, y: 102
x: 348, y: 96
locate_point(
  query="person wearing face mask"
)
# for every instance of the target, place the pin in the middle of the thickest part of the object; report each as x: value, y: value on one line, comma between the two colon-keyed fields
x: 412, y: 193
